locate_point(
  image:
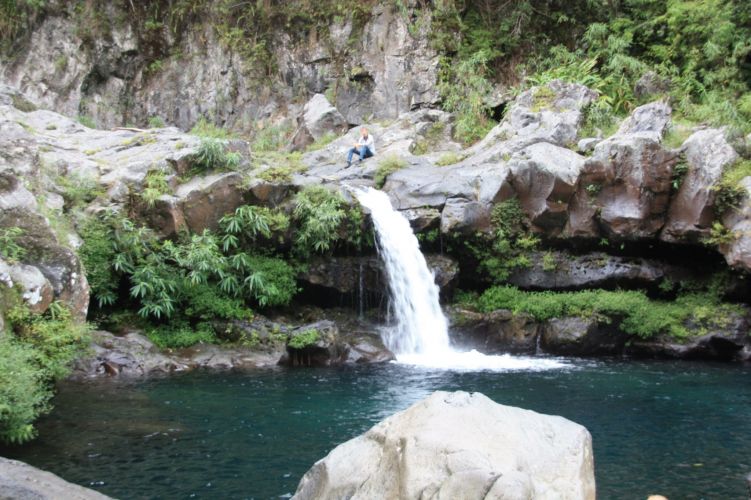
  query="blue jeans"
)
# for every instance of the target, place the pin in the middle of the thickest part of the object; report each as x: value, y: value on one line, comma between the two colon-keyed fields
x: 363, y: 152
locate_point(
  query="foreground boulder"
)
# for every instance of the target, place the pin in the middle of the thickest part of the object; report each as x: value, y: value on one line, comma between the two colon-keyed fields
x: 459, y: 445
x: 20, y: 481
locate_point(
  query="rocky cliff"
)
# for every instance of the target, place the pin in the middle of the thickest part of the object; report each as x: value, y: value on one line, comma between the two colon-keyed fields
x: 124, y: 63
x: 624, y: 211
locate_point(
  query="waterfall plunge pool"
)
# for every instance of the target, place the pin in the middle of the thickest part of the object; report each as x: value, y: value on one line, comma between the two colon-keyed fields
x: 681, y: 429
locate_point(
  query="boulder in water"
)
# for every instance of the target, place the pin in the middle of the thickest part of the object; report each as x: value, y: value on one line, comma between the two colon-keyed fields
x: 20, y: 481
x: 459, y: 445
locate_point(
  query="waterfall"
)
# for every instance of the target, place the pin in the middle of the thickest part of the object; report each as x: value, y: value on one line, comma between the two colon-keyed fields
x: 417, y: 330
x: 419, y: 324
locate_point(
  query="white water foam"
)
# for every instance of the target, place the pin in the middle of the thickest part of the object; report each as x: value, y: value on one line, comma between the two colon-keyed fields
x: 418, y: 333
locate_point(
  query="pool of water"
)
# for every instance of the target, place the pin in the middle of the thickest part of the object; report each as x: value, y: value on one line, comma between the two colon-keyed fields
x: 680, y: 429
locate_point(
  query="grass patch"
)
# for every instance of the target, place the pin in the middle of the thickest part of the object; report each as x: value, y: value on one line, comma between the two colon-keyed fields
x: 450, y: 158
x: 204, y: 128
x: 86, y: 121
x: 304, y: 339
x: 386, y: 167
x: 729, y: 192
x: 282, y: 166
x: 321, y: 143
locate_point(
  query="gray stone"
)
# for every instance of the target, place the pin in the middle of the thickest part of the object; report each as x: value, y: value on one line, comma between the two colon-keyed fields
x: 737, y: 252
x: 587, y: 145
x: 36, y: 290
x: 651, y: 84
x: 544, y: 178
x: 20, y: 481
x: 459, y: 445
x: 581, y: 337
x: 691, y: 212
x: 319, y: 118
x: 650, y: 120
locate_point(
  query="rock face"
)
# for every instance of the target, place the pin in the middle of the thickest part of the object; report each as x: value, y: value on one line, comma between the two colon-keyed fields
x: 378, y: 69
x: 691, y: 211
x: 624, y: 188
x: 459, y: 445
x: 502, y: 331
x: 20, y: 481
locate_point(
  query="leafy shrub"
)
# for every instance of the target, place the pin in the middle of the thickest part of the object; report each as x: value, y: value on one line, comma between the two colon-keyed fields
x: 156, y: 122
x: 319, y: 214
x: 98, y: 254
x: 205, y: 129
x: 155, y: 185
x: 386, y: 167
x: 465, y: 87
x: 212, y: 154
x: 24, y: 392
x: 304, y: 339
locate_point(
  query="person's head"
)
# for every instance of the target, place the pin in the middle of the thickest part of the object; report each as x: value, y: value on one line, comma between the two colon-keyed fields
x: 363, y: 131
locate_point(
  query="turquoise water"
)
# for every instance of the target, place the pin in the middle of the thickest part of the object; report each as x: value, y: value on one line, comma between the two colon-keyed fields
x: 679, y: 429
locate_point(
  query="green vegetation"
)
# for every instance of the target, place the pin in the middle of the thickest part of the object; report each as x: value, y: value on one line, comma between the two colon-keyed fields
x: 156, y: 122
x: 272, y: 138
x: 37, y: 351
x: 10, y: 250
x: 78, y: 190
x: 324, y: 141
x: 155, y: 185
x: 635, y: 313
x: 282, y: 166
x: 304, y: 339
x: 319, y: 214
x: 15, y: 17
x: 86, y: 121
x: 213, y: 155
x: 386, y: 167
x: 729, y: 193
x: 507, y: 246
x: 205, y: 129
x: 431, y: 139
x: 450, y: 158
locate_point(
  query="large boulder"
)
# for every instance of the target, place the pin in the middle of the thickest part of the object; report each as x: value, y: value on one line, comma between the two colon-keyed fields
x: 318, y: 119
x: 459, y: 445
x: 499, y: 331
x: 544, y: 177
x: 573, y: 336
x: 624, y: 188
x: 205, y: 200
x: 57, y: 263
x: 20, y: 481
x: 691, y: 211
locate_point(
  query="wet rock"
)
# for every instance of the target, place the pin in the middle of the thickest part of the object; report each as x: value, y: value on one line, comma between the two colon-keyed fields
x: 329, y: 347
x: 422, y: 219
x: 129, y: 355
x: 544, y: 178
x: 691, y: 212
x: 20, y: 481
x: 453, y: 445
x: 561, y: 271
x: 499, y: 331
x: 581, y: 337
x: 319, y: 118
x: 344, y: 274
x: 728, y: 342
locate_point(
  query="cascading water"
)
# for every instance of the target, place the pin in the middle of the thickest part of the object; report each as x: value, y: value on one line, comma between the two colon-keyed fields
x: 420, y: 326
x: 418, y: 334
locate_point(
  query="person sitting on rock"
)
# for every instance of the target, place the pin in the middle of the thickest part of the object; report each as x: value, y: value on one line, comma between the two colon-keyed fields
x: 364, y: 147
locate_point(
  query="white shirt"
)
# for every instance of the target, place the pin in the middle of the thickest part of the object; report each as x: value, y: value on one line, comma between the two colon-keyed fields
x: 367, y: 141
